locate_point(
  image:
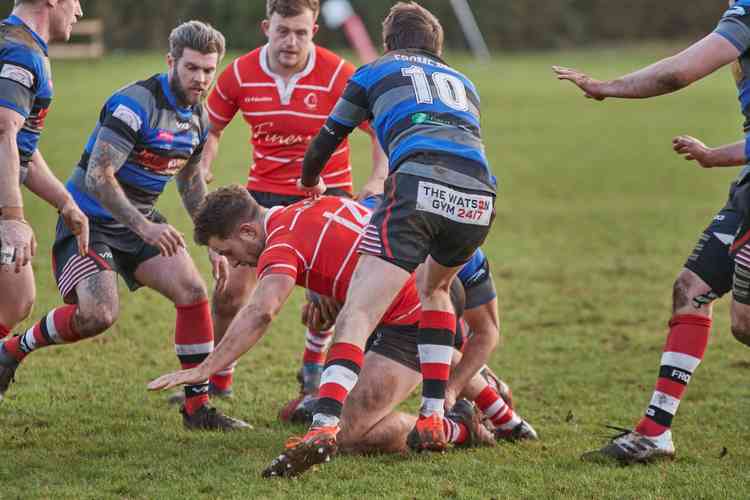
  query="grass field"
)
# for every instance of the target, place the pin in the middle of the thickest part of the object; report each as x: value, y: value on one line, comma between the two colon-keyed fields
x: 595, y: 217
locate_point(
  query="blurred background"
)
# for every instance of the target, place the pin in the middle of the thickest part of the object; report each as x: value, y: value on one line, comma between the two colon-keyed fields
x: 507, y: 25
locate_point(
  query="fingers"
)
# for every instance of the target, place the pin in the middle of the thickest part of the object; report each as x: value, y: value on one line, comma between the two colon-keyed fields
x: 83, y: 238
x: 223, y: 275
x: 170, y: 241
x: 304, y: 314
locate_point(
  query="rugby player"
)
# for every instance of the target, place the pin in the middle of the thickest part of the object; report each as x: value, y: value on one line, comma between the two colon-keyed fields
x: 25, y: 99
x: 285, y: 90
x: 713, y: 268
x: 278, y: 242
x: 148, y: 132
x: 438, y: 209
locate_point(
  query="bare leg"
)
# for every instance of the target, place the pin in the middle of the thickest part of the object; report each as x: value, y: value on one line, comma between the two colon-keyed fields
x: 368, y: 421
x: 18, y: 309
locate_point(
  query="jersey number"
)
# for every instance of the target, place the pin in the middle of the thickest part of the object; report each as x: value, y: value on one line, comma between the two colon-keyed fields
x: 450, y: 88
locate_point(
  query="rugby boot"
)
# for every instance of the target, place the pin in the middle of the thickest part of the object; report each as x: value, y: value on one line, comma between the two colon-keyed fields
x: 463, y: 412
x: 522, y: 431
x: 178, y: 397
x: 207, y: 418
x: 7, y: 376
x: 300, y: 454
x: 428, y: 434
x: 630, y: 447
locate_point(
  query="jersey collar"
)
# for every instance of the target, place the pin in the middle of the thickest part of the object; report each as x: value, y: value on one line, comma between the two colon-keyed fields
x: 184, y: 113
x: 17, y: 21
x: 287, y: 89
x: 271, y: 211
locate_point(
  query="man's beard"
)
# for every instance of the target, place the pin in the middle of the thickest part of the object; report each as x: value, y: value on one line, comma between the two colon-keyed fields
x: 175, y: 85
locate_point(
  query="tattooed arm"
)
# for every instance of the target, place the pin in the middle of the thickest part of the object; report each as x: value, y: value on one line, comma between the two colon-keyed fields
x: 191, y: 184
x: 105, y: 161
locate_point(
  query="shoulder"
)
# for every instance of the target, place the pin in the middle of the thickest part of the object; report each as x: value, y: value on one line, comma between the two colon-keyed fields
x: 246, y: 67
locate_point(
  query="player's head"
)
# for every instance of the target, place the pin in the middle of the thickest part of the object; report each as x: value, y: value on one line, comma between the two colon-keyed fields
x: 290, y: 26
x: 63, y: 14
x: 195, y: 50
x: 230, y: 222
x: 410, y: 26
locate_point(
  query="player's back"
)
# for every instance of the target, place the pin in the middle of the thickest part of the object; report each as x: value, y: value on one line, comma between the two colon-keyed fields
x: 316, y: 242
x: 423, y: 111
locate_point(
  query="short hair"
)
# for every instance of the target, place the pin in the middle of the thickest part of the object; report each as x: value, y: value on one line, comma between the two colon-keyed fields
x: 408, y: 25
x: 291, y: 8
x: 222, y: 211
x: 198, y: 36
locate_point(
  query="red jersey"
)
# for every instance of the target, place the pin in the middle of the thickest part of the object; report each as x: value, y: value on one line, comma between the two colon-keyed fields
x: 315, y: 242
x: 283, y: 117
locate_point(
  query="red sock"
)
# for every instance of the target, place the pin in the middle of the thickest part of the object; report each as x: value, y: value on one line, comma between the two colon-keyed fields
x: 455, y: 432
x: 193, y: 342
x: 224, y: 379
x: 339, y: 377
x: 683, y: 352
x: 56, y: 327
x: 494, y: 407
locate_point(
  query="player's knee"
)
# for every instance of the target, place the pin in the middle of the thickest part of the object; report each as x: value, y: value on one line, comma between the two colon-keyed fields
x: 689, y: 291
x: 191, y: 292
x: 17, y: 310
x: 96, y: 320
x: 681, y: 291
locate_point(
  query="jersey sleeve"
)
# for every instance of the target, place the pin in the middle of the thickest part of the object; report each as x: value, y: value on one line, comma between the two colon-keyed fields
x: 735, y: 25
x: 123, y: 119
x: 279, y: 258
x: 352, y: 109
x: 20, y: 75
x: 223, y: 101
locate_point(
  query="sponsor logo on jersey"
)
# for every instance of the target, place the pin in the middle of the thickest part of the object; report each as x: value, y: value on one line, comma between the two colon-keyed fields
x: 311, y: 100
x: 128, y: 117
x: 183, y: 125
x: 165, y: 135
x: 264, y: 132
x: 454, y: 205
x: 18, y: 75
x: 258, y: 99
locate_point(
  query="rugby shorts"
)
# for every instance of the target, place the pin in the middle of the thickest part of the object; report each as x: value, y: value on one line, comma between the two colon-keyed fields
x: 421, y: 216
x: 110, y: 249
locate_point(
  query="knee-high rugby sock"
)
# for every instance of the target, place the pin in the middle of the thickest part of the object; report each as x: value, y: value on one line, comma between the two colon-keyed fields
x: 436, y: 332
x: 56, y: 327
x: 193, y: 342
x: 339, y: 377
x: 683, y: 352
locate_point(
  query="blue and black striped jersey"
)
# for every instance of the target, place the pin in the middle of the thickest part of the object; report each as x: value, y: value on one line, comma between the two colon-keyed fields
x: 425, y: 114
x: 145, y: 121
x: 25, y: 82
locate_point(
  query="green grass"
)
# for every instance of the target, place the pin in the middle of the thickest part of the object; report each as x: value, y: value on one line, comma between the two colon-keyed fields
x: 595, y: 218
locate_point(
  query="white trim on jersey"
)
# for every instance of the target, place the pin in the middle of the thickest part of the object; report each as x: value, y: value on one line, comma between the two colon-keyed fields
x: 287, y: 89
x: 217, y: 115
x: 329, y: 87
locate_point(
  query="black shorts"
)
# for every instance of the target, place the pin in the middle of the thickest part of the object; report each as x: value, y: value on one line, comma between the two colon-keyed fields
x: 270, y: 200
x: 110, y: 249
x: 711, y: 259
x: 400, y: 343
x: 421, y: 216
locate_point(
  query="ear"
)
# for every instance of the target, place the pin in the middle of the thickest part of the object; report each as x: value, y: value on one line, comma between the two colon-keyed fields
x: 316, y: 27
x: 249, y: 230
x: 265, y: 25
x: 52, y: 3
x: 170, y: 61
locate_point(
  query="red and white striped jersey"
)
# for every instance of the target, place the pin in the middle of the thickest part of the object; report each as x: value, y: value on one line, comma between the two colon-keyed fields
x: 315, y: 242
x: 284, y: 117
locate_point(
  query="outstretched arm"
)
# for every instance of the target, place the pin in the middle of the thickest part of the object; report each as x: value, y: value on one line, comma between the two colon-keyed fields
x: 247, y: 328
x: 664, y: 77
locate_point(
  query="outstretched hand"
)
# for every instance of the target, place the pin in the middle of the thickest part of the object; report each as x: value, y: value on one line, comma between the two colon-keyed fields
x: 182, y: 377
x: 312, y: 191
x: 591, y: 88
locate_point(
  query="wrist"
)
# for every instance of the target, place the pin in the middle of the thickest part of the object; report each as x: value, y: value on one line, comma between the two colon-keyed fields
x: 12, y: 213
